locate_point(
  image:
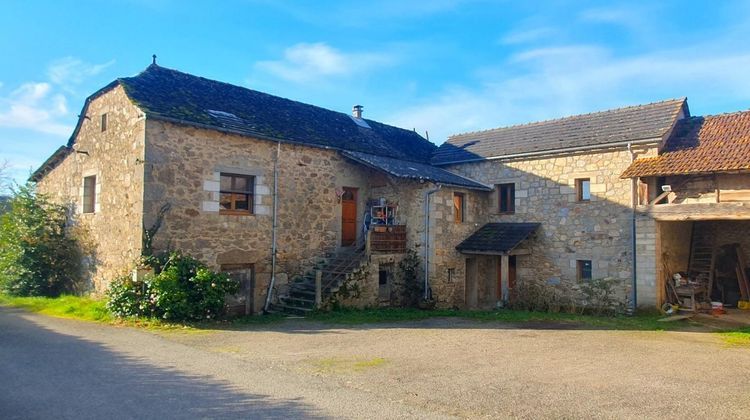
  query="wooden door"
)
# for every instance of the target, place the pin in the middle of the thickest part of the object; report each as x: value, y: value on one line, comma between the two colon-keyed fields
x: 511, y: 276
x: 472, y: 297
x: 349, y: 217
x: 243, y: 303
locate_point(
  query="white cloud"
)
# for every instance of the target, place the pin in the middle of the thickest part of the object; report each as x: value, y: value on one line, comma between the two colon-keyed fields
x: 43, y: 106
x: 548, y: 83
x: 33, y: 107
x: 70, y: 71
x: 304, y: 63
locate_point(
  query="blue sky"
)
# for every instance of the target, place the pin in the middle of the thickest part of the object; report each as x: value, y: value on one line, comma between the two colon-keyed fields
x: 443, y: 66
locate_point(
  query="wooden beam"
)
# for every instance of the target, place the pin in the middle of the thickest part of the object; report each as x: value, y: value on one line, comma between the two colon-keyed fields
x: 504, y: 276
x: 472, y: 252
x: 697, y: 211
x: 519, y: 252
x: 660, y: 197
x: 498, y: 253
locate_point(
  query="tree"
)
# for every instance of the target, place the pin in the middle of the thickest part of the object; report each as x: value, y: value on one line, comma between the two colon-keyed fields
x: 4, y: 186
x: 40, y: 255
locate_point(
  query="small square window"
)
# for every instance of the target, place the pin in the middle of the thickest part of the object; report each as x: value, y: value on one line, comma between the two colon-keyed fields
x: 383, y: 277
x: 458, y: 207
x: 507, y: 198
x: 583, y: 189
x: 104, y: 122
x: 584, y: 270
x: 236, y: 194
x: 89, y: 194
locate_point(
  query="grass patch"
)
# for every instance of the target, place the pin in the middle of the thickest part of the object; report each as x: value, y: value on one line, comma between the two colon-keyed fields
x: 73, y: 307
x: 94, y: 310
x: 338, y: 365
x: 739, y: 337
x: 87, y: 309
x: 367, y: 316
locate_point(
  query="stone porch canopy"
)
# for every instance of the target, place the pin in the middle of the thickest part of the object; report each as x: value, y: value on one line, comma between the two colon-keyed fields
x: 700, y: 145
x: 169, y: 95
x: 595, y: 131
x: 498, y: 239
x: 413, y: 170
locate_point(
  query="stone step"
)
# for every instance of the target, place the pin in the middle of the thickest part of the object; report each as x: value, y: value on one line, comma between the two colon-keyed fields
x: 298, y: 301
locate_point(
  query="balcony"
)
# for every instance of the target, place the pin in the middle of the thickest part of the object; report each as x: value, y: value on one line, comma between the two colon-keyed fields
x: 387, y: 239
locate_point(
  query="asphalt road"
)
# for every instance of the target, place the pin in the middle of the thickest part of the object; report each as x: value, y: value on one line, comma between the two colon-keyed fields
x: 61, y: 369
x: 438, y: 368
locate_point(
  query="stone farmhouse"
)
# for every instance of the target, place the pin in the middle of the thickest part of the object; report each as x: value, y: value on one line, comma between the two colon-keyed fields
x: 309, y: 206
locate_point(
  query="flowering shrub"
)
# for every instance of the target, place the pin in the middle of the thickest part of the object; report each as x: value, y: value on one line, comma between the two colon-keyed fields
x: 184, y: 289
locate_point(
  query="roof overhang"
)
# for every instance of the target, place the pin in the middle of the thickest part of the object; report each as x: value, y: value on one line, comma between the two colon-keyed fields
x: 498, y: 239
x: 416, y: 172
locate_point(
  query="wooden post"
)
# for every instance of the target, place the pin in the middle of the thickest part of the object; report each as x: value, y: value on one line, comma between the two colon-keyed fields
x: 318, y: 288
x: 504, y: 274
x: 367, y: 242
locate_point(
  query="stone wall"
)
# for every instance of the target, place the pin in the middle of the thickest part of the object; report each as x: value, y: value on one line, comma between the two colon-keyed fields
x: 183, y: 164
x: 115, y: 156
x: 599, y: 230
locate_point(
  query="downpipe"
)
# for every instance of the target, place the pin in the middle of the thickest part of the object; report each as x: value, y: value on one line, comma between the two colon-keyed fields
x: 273, y: 227
x: 634, y: 202
x: 427, y: 194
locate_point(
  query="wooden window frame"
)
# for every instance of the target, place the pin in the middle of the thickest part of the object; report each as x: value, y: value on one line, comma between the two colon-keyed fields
x: 507, y: 192
x: 248, y: 194
x: 459, y: 213
x: 89, y: 200
x: 580, y: 269
x: 579, y: 190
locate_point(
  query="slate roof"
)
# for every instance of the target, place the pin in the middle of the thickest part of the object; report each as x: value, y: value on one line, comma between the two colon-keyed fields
x: 708, y: 144
x: 414, y: 170
x: 497, y: 238
x: 173, y: 95
x: 651, y: 121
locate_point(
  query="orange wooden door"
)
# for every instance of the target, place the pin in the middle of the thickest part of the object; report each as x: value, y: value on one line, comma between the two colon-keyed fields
x: 349, y: 217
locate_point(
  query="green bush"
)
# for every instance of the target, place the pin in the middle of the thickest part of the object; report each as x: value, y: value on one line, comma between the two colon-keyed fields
x: 126, y: 298
x: 182, y: 290
x: 40, y: 253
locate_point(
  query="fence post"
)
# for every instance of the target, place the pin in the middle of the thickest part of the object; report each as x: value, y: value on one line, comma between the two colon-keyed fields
x: 318, y: 288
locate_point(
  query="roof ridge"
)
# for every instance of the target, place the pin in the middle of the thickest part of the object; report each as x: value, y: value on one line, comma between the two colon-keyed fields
x: 724, y: 114
x: 570, y: 117
x: 158, y: 67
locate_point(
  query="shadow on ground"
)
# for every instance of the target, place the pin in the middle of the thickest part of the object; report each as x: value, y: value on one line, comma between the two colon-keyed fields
x: 44, y: 374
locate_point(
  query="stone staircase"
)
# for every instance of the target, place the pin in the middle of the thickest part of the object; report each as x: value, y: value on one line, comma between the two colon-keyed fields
x: 334, y: 269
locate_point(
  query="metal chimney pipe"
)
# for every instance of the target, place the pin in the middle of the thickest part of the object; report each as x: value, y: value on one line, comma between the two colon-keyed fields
x: 357, y: 111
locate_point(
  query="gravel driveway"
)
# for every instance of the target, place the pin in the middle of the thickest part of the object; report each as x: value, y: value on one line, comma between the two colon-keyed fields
x: 429, y: 369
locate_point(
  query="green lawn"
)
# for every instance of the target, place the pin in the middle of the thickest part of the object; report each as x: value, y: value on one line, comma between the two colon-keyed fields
x: 74, y: 307
x: 739, y: 337
x: 366, y: 316
x: 88, y: 309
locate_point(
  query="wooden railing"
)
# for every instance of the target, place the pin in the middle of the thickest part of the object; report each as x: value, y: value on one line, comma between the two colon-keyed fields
x: 387, y: 239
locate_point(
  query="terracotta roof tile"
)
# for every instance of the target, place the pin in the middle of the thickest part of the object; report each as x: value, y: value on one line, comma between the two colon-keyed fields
x: 716, y: 143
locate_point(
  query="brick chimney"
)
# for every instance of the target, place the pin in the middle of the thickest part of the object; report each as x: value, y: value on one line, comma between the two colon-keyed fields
x: 357, y: 111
